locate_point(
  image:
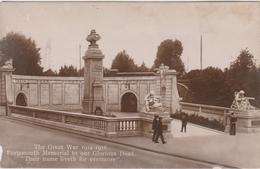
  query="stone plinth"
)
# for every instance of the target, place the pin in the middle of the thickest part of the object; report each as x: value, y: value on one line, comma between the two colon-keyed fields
x: 93, y: 76
x: 247, y: 121
x: 148, y: 120
x: 2, y: 110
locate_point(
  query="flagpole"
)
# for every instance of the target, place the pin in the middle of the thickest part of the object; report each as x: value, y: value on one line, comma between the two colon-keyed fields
x: 200, y: 52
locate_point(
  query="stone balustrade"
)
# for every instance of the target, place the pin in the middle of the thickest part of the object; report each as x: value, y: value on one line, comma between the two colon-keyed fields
x: 247, y: 121
x: 207, y: 111
x: 100, y: 125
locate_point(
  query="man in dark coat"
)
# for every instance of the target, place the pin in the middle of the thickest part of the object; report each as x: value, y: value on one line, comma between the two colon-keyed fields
x: 233, y: 120
x: 184, y: 121
x: 160, y: 131
x: 155, y: 121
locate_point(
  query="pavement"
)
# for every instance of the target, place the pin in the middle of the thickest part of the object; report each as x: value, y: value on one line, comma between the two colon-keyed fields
x: 25, y: 145
x: 198, y: 143
x: 203, y: 145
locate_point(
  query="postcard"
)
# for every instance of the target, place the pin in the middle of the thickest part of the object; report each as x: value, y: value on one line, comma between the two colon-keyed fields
x: 129, y: 84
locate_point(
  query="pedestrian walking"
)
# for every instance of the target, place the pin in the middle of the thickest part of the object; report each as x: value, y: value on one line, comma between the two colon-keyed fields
x: 233, y: 120
x: 154, y: 125
x: 184, y: 121
x: 159, y: 129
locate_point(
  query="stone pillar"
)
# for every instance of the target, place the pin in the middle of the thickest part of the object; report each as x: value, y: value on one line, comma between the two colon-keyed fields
x: 2, y: 88
x: 166, y: 81
x: 6, y: 95
x: 93, y: 76
x: 166, y: 88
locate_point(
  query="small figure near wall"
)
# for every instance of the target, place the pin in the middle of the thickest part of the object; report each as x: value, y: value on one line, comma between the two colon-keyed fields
x: 154, y: 127
x: 233, y: 120
x: 184, y: 121
x: 152, y: 101
x: 98, y: 111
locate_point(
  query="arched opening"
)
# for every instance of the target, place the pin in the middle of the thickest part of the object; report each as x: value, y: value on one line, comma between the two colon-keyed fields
x: 184, y: 92
x: 129, y: 103
x: 21, y: 100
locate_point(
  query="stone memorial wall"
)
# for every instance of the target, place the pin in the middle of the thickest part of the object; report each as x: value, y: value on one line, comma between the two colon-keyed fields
x: 66, y: 93
x: 51, y: 92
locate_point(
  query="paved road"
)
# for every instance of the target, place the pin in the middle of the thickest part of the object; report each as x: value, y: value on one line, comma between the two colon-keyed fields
x: 192, y: 130
x: 24, y: 145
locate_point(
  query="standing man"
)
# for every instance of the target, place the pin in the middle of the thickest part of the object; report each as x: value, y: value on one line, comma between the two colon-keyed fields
x: 154, y: 126
x: 233, y: 120
x: 184, y: 121
x: 160, y: 131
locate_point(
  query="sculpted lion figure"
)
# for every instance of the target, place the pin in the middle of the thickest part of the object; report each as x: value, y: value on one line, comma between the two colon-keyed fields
x: 152, y: 101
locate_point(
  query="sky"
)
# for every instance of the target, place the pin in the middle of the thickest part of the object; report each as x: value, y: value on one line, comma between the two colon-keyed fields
x: 60, y: 28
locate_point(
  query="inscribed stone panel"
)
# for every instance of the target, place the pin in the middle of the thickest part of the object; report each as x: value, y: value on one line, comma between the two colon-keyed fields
x: 82, y: 91
x: 113, y: 94
x: 33, y: 97
x: 153, y: 87
x: 45, y: 94
x: 17, y: 87
x: 56, y: 94
x: 143, y: 92
x: 128, y: 85
x: 71, y: 93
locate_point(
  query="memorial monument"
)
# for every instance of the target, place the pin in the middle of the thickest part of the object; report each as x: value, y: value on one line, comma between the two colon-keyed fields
x: 241, y: 102
x: 248, y: 116
x: 93, y: 76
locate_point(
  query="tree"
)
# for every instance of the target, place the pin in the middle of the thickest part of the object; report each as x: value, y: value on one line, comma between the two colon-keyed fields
x: 81, y: 72
x: 23, y: 51
x: 49, y: 72
x: 124, y: 63
x: 214, y: 87
x: 169, y: 53
x: 243, y: 75
x: 68, y: 71
x: 208, y: 86
x: 106, y: 72
x: 143, y: 68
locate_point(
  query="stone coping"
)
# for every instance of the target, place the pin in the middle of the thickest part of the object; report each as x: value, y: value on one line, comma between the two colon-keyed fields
x: 206, y: 106
x: 142, y: 116
x: 77, y: 114
x: 132, y: 74
x: 61, y: 78
x: 247, y: 114
x: 5, y: 69
x: 25, y: 77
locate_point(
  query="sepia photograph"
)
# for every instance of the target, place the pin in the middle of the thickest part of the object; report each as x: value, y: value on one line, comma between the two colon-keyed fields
x: 130, y: 84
